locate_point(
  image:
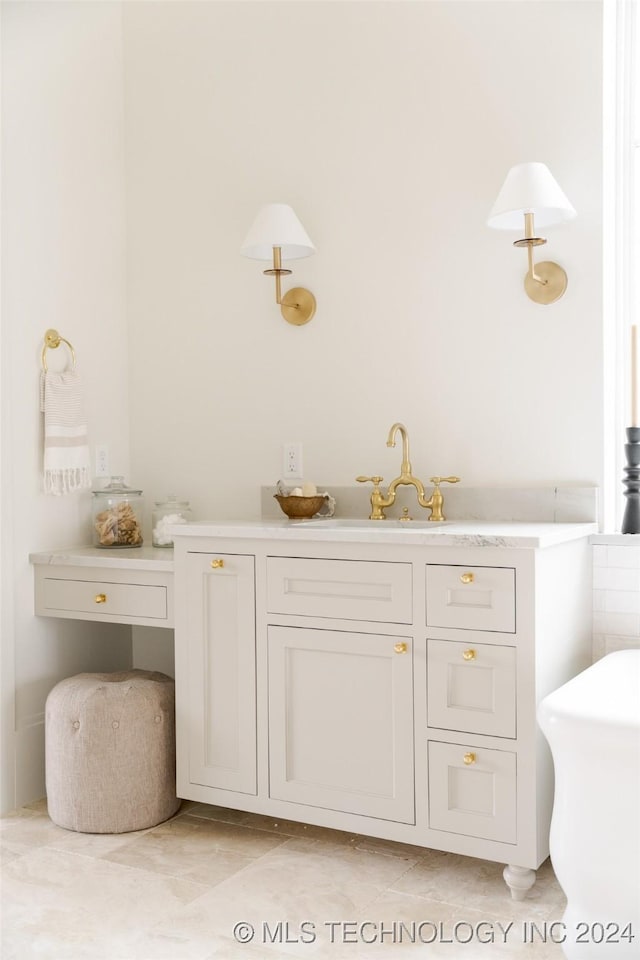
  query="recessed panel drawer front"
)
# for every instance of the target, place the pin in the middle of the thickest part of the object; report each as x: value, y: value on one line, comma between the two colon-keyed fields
x: 472, y: 791
x: 471, y: 598
x: 101, y: 598
x: 341, y: 589
x: 472, y: 687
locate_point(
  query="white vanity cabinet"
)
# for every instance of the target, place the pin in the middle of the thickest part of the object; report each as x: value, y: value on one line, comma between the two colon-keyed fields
x: 378, y: 682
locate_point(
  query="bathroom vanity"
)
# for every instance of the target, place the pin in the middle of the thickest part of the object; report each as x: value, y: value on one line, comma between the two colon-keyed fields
x: 380, y: 678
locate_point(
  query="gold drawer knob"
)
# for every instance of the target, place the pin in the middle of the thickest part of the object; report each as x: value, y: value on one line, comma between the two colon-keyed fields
x: 100, y: 598
x: 469, y: 758
x: 466, y: 577
x: 400, y: 647
x: 468, y: 655
x: 217, y: 564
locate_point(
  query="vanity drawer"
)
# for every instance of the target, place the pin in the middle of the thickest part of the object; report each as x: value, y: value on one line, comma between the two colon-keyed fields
x: 102, y: 600
x: 471, y: 598
x: 472, y: 791
x: 471, y: 687
x: 341, y: 589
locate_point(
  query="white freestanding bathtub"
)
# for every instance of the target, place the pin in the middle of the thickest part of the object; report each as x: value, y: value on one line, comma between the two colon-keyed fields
x: 592, y: 724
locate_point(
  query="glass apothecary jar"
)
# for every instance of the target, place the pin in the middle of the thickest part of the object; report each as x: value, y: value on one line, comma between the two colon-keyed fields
x: 166, y: 512
x: 117, y: 515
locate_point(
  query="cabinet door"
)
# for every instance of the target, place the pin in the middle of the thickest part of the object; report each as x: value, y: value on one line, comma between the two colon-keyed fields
x: 221, y: 713
x: 341, y: 721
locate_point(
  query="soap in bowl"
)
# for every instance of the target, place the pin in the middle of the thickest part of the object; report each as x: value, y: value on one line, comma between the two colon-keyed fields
x: 300, y: 508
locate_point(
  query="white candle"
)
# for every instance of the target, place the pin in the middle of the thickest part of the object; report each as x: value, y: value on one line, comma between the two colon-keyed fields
x: 634, y: 376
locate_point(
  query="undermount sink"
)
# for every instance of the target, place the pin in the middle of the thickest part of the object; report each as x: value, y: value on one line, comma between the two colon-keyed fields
x: 347, y: 523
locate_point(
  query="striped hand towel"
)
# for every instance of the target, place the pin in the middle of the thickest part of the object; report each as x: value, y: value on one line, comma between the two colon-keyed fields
x: 67, y: 465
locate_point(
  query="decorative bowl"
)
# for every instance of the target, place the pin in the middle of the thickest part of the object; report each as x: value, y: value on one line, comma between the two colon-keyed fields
x: 300, y: 508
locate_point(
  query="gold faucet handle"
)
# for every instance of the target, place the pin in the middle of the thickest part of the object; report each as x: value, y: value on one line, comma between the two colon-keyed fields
x: 437, y: 499
x: 374, y: 480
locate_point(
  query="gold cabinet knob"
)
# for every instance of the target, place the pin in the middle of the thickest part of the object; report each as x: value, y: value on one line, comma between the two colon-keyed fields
x: 217, y: 564
x: 468, y: 655
x: 466, y: 578
x: 100, y: 598
x: 469, y: 758
x: 400, y: 647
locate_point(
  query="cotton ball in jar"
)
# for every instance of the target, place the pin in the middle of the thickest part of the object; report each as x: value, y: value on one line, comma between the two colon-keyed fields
x: 161, y: 535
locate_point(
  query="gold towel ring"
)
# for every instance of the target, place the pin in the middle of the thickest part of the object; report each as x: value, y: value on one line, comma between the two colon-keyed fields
x: 52, y: 341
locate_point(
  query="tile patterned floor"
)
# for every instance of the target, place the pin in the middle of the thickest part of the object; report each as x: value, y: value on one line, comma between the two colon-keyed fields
x: 178, y: 890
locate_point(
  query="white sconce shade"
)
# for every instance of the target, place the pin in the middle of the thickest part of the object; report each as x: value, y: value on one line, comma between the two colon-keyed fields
x: 276, y: 234
x: 530, y: 188
x: 277, y: 226
x: 531, y: 192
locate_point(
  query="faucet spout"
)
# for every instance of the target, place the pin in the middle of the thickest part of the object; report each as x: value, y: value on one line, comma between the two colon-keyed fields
x: 406, y: 477
x: 405, y: 467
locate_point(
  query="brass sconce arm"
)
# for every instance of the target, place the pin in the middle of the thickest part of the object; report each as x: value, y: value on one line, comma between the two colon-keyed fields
x: 529, y: 241
x: 548, y: 282
x: 277, y: 271
x: 297, y: 305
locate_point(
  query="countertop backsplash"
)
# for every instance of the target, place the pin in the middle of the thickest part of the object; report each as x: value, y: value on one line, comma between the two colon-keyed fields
x: 561, y: 504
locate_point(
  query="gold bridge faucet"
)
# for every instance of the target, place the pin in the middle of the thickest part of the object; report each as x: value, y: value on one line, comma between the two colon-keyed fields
x: 380, y: 502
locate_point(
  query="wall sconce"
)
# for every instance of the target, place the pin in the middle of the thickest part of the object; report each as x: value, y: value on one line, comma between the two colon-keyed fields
x: 531, y: 190
x: 276, y: 232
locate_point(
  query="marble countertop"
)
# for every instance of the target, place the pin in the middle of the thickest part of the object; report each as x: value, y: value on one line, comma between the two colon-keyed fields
x: 125, y: 558
x: 419, y: 533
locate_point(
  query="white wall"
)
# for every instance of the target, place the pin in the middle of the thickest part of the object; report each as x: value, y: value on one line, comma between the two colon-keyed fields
x: 63, y: 266
x: 389, y: 127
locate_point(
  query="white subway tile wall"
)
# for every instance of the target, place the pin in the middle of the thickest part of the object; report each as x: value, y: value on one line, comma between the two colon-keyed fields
x: 616, y: 598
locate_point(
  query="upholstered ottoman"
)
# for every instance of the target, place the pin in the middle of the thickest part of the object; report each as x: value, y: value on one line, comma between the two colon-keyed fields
x: 110, y: 751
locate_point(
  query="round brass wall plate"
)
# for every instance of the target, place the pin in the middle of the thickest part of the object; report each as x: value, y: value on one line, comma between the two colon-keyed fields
x: 554, y: 286
x: 298, y: 306
x: 52, y: 339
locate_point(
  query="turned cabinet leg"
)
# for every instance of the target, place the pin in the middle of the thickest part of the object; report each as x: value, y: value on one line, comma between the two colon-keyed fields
x: 519, y: 880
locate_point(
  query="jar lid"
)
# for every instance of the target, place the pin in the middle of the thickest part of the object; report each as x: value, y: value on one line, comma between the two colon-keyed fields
x: 171, y: 501
x: 116, y: 485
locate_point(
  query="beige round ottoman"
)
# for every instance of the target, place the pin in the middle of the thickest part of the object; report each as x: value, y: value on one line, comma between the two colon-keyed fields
x: 110, y: 751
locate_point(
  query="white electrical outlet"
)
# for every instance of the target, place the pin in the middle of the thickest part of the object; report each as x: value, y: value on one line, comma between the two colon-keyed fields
x: 292, y: 460
x: 102, y: 459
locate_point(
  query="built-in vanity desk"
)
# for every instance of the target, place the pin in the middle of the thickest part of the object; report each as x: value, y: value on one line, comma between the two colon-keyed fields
x: 375, y: 677
x: 129, y: 585
x: 380, y: 678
